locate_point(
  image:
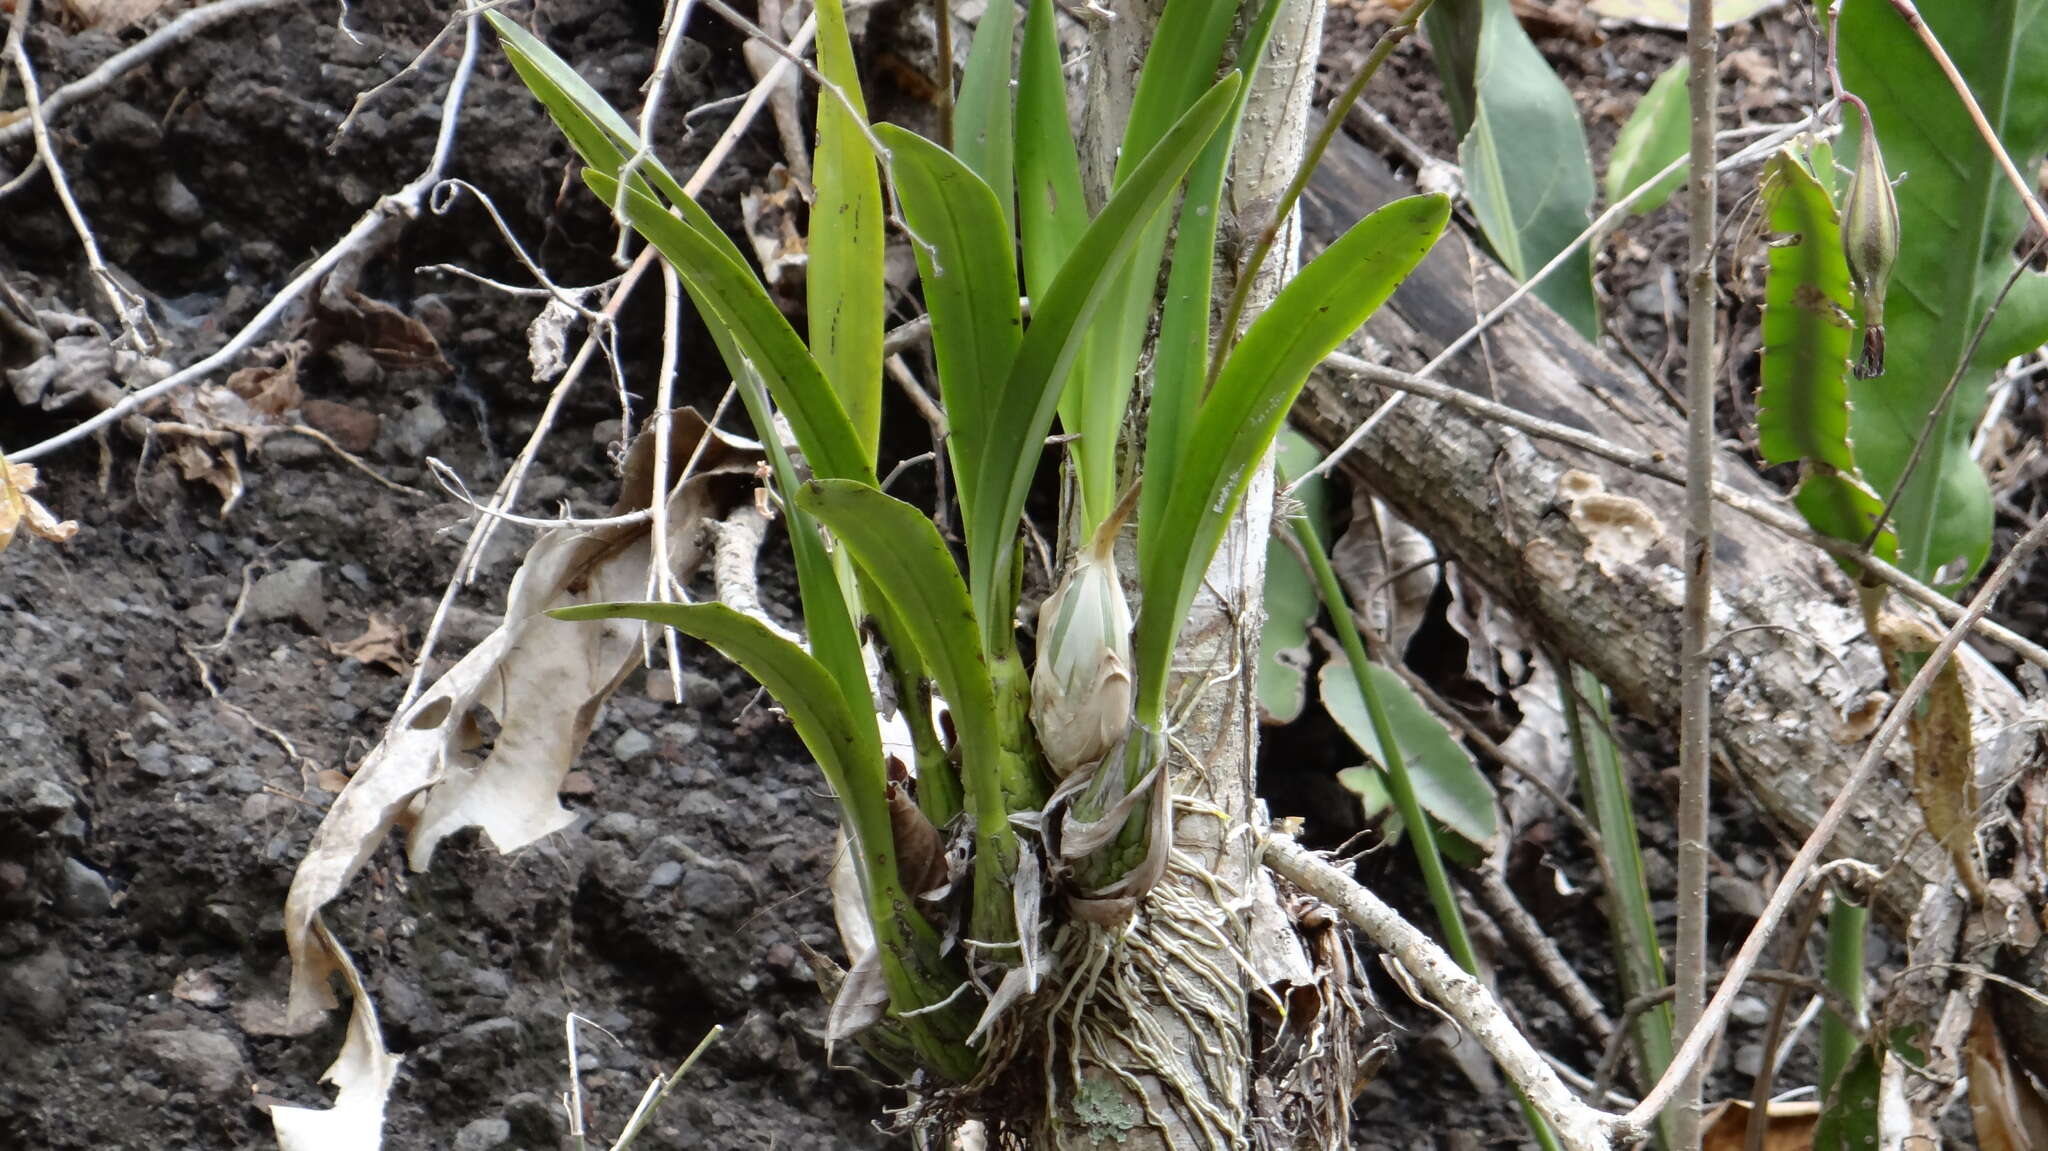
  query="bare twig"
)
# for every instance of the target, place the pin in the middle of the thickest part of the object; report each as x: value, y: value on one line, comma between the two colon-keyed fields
x: 139, y: 332
x: 1773, y: 135
x: 1695, y: 665
x: 1491, y: 889
x: 1989, y: 134
x: 1464, y: 998
x: 142, y: 52
x: 1694, y: 1047
x: 404, y: 202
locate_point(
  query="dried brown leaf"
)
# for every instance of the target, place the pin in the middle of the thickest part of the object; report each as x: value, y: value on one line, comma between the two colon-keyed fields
x: 18, y: 508
x: 920, y: 853
x: 382, y: 643
x: 1787, y: 1126
x: 1381, y: 561
x: 272, y: 389
x: 2005, y: 1101
x: 543, y: 680
x: 1944, y: 754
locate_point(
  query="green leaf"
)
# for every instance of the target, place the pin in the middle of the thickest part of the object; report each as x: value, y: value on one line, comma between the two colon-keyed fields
x: 1808, y: 327
x: 1849, y: 1115
x: 908, y: 563
x: 1657, y: 132
x: 1808, y: 330
x: 1052, y: 211
x: 1959, y: 222
x: 970, y: 289
x: 848, y: 749
x: 1315, y: 312
x: 732, y: 298
x: 1292, y: 604
x: 1180, y: 358
x: 843, y: 285
x: 1448, y: 785
x: 1184, y: 54
x: 1527, y: 174
x: 982, y: 130
x: 1024, y: 408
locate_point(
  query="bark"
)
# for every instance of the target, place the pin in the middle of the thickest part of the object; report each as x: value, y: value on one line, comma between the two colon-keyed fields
x: 1214, y: 691
x: 1790, y: 653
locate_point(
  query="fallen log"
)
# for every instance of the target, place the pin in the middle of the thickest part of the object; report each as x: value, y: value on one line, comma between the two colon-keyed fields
x: 1586, y: 552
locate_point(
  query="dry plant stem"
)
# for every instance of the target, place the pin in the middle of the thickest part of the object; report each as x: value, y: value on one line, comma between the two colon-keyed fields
x: 1521, y: 928
x: 1695, y: 670
x: 1803, y: 864
x: 141, y: 52
x: 1774, y: 1029
x: 1772, y: 136
x: 1657, y: 466
x: 135, y: 325
x: 1464, y: 998
x: 674, y: 19
x: 406, y: 202
x: 2020, y: 183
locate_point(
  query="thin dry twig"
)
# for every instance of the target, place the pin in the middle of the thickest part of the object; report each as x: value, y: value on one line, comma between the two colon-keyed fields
x: 1695, y: 658
x: 405, y: 202
x: 141, y: 52
x: 1803, y: 864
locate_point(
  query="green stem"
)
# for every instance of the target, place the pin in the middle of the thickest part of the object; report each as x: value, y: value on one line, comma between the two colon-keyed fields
x: 1604, y: 786
x: 1848, y: 924
x: 1421, y: 833
x: 1333, y: 122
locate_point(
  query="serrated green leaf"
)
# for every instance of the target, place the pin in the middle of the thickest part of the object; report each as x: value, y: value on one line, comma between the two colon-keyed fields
x: 1448, y: 785
x: 843, y: 280
x: 1527, y: 174
x: 970, y: 290
x: 1658, y: 131
x: 982, y: 121
x: 1959, y: 221
x: 1315, y: 312
x: 908, y: 563
x: 1292, y: 603
x: 1024, y: 408
x: 1803, y: 405
x: 733, y: 298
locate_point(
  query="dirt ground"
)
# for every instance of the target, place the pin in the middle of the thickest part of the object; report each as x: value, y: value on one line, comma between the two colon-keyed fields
x: 165, y: 758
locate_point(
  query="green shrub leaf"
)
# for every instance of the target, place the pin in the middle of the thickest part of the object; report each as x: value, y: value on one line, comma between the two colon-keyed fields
x: 1959, y: 222
x: 1657, y: 132
x: 1448, y: 785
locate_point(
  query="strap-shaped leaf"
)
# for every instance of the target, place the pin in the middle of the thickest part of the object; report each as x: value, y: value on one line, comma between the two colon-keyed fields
x: 1180, y: 363
x: 1315, y: 312
x: 1024, y: 409
x: 847, y: 747
x: 1052, y: 211
x: 909, y: 564
x: 969, y: 274
x: 734, y: 298
x: 595, y: 129
x: 982, y: 132
x: 843, y: 281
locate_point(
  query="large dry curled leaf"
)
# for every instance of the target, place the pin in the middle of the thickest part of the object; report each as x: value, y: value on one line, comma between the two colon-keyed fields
x: 541, y: 680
